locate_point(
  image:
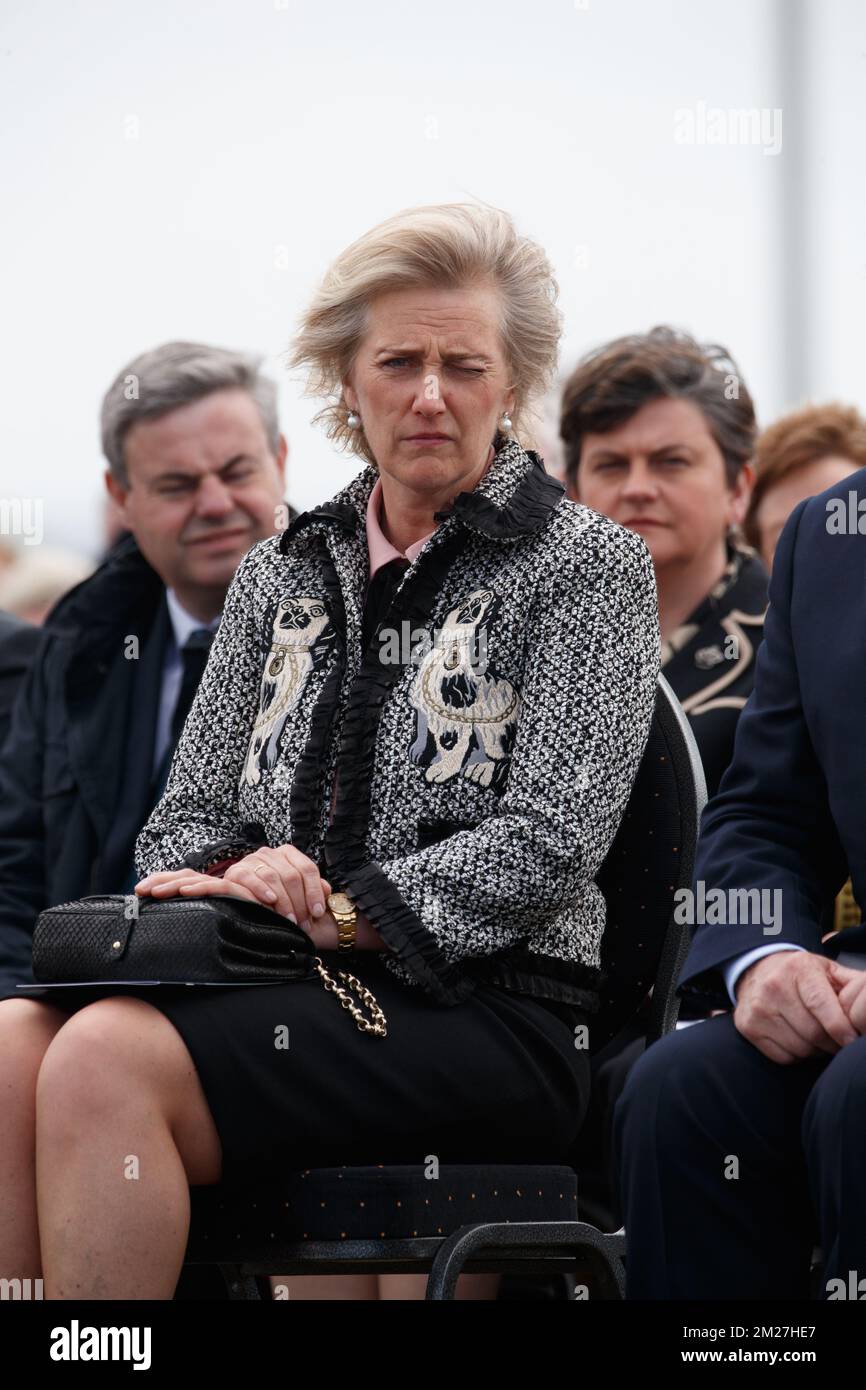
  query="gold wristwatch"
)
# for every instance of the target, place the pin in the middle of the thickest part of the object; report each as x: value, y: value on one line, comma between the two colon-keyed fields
x: 345, y: 914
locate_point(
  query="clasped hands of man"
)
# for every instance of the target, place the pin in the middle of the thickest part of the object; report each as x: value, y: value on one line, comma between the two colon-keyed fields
x: 796, y: 1004
x: 283, y: 879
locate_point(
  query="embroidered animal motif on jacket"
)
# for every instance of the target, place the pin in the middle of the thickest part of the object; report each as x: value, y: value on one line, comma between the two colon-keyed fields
x: 300, y: 639
x: 465, y: 713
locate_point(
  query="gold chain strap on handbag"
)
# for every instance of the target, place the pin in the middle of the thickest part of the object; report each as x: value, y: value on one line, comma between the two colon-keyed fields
x: 378, y: 1026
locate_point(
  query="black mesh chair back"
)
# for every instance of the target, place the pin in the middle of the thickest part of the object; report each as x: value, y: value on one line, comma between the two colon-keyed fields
x: 652, y: 857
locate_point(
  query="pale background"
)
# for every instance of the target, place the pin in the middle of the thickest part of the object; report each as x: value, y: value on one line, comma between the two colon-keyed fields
x: 182, y: 169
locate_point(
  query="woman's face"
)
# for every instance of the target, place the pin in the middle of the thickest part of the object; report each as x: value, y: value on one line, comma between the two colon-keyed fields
x: 663, y: 475
x: 779, y: 501
x: 430, y: 381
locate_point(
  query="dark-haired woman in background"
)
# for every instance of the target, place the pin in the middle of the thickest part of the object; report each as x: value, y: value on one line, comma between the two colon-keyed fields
x: 659, y: 432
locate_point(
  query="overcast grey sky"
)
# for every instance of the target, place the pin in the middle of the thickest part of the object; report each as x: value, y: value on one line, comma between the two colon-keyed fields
x: 182, y: 169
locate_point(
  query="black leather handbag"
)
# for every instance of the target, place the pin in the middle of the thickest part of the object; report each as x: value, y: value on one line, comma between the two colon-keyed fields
x: 215, y: 939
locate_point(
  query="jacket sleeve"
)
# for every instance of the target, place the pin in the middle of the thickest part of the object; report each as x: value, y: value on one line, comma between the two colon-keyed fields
x: 18, y: 644
x: 195, y: 823
x: 22, y: 829
x: 769, y: 828
x: 588, y: 694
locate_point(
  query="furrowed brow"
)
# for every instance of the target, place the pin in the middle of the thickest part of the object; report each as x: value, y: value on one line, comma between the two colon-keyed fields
x: 670, y: 449
x: 605, y: 452
x: 178, y: 475
x: 456, y: 356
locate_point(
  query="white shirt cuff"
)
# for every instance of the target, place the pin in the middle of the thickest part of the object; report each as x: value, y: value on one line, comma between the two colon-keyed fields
x: 735, y: 968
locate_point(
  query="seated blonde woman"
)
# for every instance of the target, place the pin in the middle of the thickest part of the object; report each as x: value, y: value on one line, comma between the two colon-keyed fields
x: 461, y: 787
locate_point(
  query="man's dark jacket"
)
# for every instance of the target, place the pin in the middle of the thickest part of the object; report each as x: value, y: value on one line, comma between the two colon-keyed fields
x: 18, y: 643
x: 76, y: 767
x: 789, y: 814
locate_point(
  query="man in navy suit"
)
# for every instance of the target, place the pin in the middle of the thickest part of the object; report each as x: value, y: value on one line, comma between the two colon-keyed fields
x: 741, y: 1140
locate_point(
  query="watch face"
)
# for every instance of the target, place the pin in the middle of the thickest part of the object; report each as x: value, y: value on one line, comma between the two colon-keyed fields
x: 340, y: 902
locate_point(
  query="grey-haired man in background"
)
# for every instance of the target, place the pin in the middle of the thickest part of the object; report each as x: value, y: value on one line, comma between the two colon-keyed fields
x: 196, y: 466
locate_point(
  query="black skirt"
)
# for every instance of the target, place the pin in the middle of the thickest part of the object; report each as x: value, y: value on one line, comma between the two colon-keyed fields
x: 291, y: 1081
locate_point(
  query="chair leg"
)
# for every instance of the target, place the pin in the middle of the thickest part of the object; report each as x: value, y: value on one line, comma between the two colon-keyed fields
x: 604, y: 1252
x: 240, y: 1287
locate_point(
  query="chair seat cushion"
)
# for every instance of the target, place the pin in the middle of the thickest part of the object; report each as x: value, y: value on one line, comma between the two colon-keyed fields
x: 375, y: 1203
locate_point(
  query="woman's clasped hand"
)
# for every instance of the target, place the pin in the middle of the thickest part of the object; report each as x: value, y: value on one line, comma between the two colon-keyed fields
x: 283, y: 879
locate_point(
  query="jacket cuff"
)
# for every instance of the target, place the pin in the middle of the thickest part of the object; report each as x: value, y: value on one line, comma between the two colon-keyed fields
x: 217, y: 870
x: 403, y: 931
x: 219, y: 854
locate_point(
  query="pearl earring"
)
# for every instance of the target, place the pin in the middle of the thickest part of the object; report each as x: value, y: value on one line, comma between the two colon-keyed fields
x: 353, y: 420
x: 505, y: 422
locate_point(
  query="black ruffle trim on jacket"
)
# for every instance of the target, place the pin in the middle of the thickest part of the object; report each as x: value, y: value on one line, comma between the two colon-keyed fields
x: 531, y: 503
x: 405, y: 933
x: 251, y: 838
x: 342, y: 512
x: 547, y: 977
x: 345, y: 843
x: 345, y: 849
x: 307, y: 789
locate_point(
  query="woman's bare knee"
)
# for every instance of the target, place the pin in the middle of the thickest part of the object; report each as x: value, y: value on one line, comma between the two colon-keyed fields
x: 121, y: 1051
x: 15, y: 1011
x: 27, y: 1029
x: 26, y: 1032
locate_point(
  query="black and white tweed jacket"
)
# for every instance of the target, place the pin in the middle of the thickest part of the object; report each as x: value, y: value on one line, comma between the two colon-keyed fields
x: 485, y: 743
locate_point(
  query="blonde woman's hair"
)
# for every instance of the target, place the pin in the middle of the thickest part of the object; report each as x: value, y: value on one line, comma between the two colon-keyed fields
x: 451, y: 245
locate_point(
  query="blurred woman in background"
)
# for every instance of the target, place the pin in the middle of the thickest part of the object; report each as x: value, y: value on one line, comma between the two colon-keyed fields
x: 796, y: 457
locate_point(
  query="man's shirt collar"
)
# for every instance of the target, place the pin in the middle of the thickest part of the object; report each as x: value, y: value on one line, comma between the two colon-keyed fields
x: 182, y: 622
